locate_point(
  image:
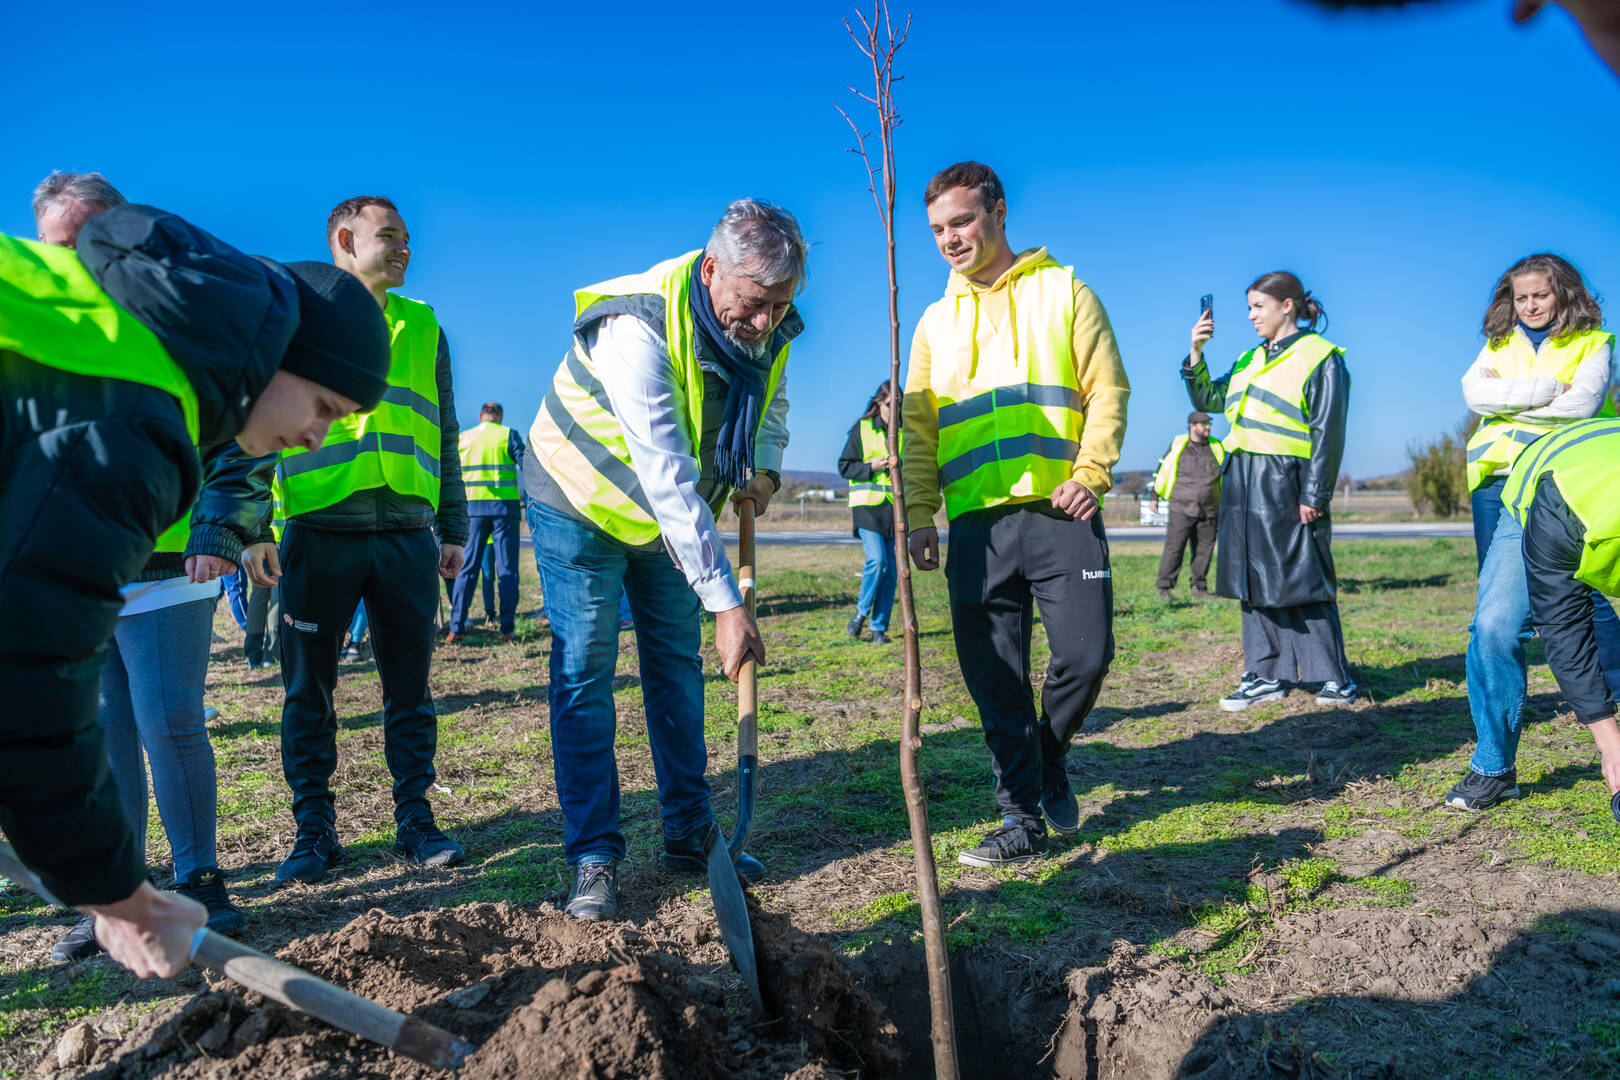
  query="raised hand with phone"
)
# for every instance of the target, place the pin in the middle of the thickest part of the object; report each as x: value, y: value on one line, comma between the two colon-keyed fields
x: 1203, y: 329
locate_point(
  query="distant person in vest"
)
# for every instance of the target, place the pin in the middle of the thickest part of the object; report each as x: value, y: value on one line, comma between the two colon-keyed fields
x: 1286, y: 400
x: 1563, y: 493
x: 865, y: 464
x: 1546, y: 365
x: 490, y: 454
x: 156, y: 345
x: 150, y: 700
x: 1014, y: 410
x: 672, y: 395
x: 1189, y: 479
x: 361, y: 511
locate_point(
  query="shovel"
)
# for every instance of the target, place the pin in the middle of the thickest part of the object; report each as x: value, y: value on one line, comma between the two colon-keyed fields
x: 729, y: 906
x: 297, y: 989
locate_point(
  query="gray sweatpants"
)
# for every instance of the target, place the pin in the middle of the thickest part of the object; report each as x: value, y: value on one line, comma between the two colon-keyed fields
x: 1302, y: 643
x: 152, y: 701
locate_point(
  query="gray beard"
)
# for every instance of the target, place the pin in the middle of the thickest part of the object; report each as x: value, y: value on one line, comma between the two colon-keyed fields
x: 754, y: 350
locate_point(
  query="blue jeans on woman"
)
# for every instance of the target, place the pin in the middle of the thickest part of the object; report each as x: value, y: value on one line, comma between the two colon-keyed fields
x: 1496, y: 661
x: 151, y: 709
x: 583, y: 573
x: 877, y: 580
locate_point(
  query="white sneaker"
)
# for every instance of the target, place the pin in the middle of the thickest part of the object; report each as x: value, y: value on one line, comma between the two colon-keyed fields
x: 1335, y: 693
x: 1253, y: 690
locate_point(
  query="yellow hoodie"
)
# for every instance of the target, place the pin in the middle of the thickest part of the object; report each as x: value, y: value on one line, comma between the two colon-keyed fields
x: 1099, y: 372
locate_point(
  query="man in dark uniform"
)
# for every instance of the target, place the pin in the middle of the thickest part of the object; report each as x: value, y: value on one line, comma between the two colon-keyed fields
x: 1189, y: 478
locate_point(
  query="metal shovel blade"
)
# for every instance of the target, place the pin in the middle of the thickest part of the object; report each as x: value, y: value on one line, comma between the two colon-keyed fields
x: 731, y: 910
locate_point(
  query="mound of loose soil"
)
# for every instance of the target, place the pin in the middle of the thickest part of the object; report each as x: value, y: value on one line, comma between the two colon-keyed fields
x: 540, y: 994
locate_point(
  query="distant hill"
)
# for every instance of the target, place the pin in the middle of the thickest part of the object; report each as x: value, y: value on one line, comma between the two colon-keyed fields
x: 798, y: 479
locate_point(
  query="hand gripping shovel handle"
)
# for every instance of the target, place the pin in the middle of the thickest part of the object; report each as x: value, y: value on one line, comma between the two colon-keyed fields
x: 297, y: 989
x: 747, y: 689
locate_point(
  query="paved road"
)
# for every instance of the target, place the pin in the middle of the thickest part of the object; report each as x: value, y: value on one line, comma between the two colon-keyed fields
x: 1387, y: 530
x: 1391, y: 530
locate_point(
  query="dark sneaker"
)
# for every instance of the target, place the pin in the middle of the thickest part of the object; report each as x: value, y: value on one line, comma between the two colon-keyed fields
x: 594, y: 896
x: 206, y: 885
x: 1013, y: 843
x: 77, y: 943
x: 686, y: 853
x: 856, y: 624
x: 1253, y: 690
x: 352, y: 654
x: 1058, y: 805
x: 1336, y: 693
x: 1476, y: 792
x: 315, y: 851
x: 880, y: 637
x: 1164, y: 594
x: 422, y: 842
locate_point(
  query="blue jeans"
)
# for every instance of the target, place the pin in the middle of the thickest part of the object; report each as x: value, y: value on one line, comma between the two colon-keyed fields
x: 504, y: 529
x: 584, y: 572
x: 1496, y: 663
x: 236, y: 596
x: 359, y: 626
x: 1486, y: 503
x: 877, y: 580
x: 151, y: 709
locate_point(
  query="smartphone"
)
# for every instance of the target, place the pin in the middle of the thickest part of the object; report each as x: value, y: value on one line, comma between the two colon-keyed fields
x: 1206, y: 304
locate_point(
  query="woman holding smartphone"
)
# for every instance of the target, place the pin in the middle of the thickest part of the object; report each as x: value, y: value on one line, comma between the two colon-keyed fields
x: 1287, y: 400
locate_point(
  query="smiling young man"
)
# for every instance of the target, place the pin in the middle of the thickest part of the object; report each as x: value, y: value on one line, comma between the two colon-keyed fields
x: 361, y: 512
x: 671, y: 396
x: 155, y: 346
x: 1014, y: 411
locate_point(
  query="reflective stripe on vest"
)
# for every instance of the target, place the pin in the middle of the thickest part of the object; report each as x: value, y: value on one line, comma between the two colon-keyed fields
x: 1265, y: 399
x: 396, y: 445
x: 487, y: 470
x: 877, y: 491
x: 1010, y: 416
x: 1164, y: 481
x: 575, y: 435
x: 1499, y: 440
x: 53, y: 312
x: 1584, y: 461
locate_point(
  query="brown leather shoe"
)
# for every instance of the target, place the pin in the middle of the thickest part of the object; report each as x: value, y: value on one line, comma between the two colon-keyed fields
x: 507, y: 639
x: 452, y: 638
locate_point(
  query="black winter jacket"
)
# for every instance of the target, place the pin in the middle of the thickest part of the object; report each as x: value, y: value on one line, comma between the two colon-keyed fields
x: 383, y: 509
x: 1264, y: 555
x: 91, y: 471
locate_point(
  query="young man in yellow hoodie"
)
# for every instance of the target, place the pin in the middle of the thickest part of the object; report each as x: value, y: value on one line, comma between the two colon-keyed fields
x: 1014, y: 411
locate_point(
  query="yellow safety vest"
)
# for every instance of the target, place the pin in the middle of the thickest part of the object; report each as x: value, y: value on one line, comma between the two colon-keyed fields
x: 487, y: 469
x: 879, y: 490
x: 53, y: 312
x: 1584, y: 461
x: 1499, y: 440
x: 396, y: 445
x: 1010, y: 417
x: 575, y: 434
x: 1265, y: 399
x: 1164, y: 481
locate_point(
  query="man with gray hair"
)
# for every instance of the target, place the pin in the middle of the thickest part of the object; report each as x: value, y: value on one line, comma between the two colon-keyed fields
x: 671, y: 396
x: 64, y: 201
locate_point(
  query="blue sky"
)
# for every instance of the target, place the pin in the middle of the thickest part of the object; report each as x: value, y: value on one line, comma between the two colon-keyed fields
x: 1398, y: 162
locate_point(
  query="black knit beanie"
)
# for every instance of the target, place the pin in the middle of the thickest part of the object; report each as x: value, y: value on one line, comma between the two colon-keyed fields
x: 342, y: 339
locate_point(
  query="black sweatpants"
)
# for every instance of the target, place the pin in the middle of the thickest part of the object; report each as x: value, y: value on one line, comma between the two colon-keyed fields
x: 1197, y: 529
x: 324, y: 575
x: 1000, y: 563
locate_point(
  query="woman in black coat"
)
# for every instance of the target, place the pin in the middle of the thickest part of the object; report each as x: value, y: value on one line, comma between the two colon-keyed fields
x: 1287, y: 400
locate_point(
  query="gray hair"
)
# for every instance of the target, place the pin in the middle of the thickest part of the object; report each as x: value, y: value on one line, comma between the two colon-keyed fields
x: 90, y: 188
x: 760, y: 240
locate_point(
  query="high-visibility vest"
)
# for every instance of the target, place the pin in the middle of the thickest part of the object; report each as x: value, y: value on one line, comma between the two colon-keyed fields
x: 1010, y: 416
x: 396, y: 445
x: 1583, y: 459
x: 1265, y: 399
x: 1164, y: 481
x: 575, y: 435
x: 875, y: 451
x: 487, y: 470
x: 53, y: 312
x: 1499, y: 440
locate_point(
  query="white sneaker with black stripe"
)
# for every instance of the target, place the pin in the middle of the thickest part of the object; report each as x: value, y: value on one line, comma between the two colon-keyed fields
x: 1336, y: 693
x: 1253, y: 690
